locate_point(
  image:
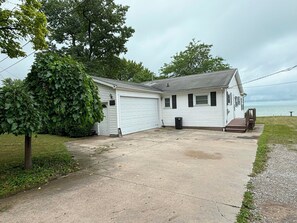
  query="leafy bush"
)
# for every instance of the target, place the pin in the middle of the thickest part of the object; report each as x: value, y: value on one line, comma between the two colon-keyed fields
x: 67, y: 96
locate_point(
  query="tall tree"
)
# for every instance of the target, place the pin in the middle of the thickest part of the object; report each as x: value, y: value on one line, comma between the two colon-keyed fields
x: 19, y: 114
x: 68, y: 98
x: 195, y: 59
x: 135, y: 72
x: 90, y: 30
x: 23, y: 22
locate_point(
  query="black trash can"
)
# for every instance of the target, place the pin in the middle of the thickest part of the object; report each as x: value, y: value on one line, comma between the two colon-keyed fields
x: 178, y: 122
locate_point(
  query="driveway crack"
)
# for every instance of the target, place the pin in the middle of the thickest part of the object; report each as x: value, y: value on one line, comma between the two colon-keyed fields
x: 168, y: 191
x: 216, y: 203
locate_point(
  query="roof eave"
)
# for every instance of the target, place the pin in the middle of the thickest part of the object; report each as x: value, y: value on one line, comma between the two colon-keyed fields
x: 238, y: 80
x: 105, y: 83
x: 201, y: 88
x: 141, y: 90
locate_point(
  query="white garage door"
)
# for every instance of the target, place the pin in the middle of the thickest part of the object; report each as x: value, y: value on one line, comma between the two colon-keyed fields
x: 138, y: 114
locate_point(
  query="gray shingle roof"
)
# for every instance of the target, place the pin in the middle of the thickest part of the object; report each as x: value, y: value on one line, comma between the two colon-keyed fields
x: 126, y: 84
x: 220, y: 79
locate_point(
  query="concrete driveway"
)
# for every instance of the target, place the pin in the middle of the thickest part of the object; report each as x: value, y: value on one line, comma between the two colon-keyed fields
x: 161, y: 175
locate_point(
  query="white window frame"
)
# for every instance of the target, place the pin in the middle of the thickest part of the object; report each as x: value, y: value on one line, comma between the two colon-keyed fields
x: 208, y: 98
x: 165, y: 102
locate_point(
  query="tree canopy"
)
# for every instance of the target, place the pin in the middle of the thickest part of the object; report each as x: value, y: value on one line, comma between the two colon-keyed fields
x: 19, y: 114
x: 67, y: 97
x: 195, y: 59
x: 18, y: 111
x: 24, y: 22
x: 135, y: 72
x: 92, y: 30
x: 128, y: 70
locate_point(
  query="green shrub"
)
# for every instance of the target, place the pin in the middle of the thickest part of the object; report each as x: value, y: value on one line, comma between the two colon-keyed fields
x: 68, y: 97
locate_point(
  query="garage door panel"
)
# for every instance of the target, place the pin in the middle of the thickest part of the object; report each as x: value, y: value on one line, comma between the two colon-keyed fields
x: 138, y: 114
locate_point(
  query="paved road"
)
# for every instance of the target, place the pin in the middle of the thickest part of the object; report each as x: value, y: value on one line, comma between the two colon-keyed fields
x: 161, y: 175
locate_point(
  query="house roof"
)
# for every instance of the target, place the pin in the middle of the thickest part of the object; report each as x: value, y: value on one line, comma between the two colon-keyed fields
x: 125, y: 84
x: 220, y: 79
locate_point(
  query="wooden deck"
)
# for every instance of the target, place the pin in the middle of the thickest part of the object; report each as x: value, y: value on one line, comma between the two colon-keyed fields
x: 236, y: 125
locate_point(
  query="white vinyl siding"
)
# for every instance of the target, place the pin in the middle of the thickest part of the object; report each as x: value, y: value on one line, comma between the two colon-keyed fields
x: 197, y: 116
x: 233, y: 109
x: 105, y: 94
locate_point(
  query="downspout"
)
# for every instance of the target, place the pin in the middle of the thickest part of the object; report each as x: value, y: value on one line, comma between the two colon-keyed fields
x: 118, y: 107
x: 224, y: 107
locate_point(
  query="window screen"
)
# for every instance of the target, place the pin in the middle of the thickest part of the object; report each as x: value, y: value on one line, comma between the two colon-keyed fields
x: 201, y: 99
x: 167, y: 102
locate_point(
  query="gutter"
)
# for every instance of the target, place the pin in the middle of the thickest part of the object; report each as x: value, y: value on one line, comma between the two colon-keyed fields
x: 141, y: 90
x: 105, y: 83
x: 190, y: 89
x: 113, y: 86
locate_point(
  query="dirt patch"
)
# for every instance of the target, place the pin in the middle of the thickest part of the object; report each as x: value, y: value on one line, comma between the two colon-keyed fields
x: 279, y: 212
x: 203, y: 155
x: 247, y: 137
x: 85, y: 155
x: 5, y: 207
x: 104, y: 148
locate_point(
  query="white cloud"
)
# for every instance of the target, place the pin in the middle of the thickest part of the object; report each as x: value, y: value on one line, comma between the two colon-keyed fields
x: 257, y: 37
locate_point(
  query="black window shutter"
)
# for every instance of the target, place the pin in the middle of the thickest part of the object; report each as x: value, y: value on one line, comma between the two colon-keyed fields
x: 213, y: 98
x: 190, y: 100
x: 173, y: 101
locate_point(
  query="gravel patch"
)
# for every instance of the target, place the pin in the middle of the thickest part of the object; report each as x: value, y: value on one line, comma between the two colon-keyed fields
x: 275, y: 190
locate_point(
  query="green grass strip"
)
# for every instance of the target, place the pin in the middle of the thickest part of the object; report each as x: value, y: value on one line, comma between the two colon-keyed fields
x: 277, y: 130
x: 50, y: 160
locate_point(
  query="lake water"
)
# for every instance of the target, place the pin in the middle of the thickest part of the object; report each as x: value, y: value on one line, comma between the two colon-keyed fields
x: 273, y: 108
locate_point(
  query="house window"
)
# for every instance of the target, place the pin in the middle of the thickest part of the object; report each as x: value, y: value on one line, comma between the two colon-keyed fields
x: 167, y: 102
x: 201, y: 99
x: 237, y: 101
x: 229, y: 98
x: 242, y: 104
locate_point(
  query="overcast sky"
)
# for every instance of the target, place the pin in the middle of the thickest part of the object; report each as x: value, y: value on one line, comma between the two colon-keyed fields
x: 257, y: 37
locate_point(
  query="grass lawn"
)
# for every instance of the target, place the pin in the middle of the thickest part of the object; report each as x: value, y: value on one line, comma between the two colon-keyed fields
x: 49, y: 156
x: 277, y: 130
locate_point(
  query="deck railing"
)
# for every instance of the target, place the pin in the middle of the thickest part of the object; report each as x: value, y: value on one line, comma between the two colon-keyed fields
x: 250, y: 118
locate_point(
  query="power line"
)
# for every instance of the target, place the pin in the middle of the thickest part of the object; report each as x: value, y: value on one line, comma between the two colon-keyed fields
x: 10, y: 73
x: 77, y: 6
x: 2, y: 76
x: 269, y: 75
x: 268, y: 85
x: 17, y: 61
x: 8, y: 56
x: 265, y: 76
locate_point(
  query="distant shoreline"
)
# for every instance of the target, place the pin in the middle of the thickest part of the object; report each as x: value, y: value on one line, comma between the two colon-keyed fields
x: 273, y: 108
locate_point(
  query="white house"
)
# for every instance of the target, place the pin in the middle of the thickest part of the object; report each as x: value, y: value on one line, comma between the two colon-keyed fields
x: 209, y: 100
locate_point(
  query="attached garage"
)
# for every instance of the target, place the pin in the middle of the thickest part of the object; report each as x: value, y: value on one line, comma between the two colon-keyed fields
x: 138, y: 114
x: 129, y: 107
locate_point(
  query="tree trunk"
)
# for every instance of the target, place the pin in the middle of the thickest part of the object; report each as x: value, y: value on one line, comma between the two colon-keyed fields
x: 90, y: 41
x: 28, y: 152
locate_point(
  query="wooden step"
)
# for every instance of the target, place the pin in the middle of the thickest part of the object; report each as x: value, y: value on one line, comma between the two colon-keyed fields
x: 236, y: 125
x: 238, y: 130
